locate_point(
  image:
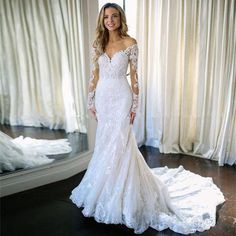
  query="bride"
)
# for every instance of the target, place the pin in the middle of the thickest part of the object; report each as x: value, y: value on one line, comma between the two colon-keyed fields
x: 118, y: 186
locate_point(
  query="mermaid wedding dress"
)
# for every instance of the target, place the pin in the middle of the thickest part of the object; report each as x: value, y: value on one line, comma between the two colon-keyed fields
x: 118, y: 186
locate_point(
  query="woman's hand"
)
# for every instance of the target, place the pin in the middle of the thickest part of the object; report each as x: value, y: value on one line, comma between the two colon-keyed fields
x: 132, y: 116
x: 93, y: 112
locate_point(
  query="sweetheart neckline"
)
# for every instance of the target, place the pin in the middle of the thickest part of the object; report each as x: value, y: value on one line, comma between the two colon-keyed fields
x: 122, y: 50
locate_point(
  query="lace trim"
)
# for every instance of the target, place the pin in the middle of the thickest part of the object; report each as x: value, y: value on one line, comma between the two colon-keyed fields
x: 92, y: 86
x: 197, y: 215
x: 91, y: 100
x: 135, y: 103
x: 134, y: 56
x: 135, y: 85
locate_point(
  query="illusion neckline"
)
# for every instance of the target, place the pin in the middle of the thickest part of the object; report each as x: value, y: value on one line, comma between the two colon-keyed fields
x: 122, y: 50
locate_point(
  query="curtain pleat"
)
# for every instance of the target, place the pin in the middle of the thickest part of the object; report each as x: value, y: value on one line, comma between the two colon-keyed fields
x: 43, y: 77
x: 188, y: 77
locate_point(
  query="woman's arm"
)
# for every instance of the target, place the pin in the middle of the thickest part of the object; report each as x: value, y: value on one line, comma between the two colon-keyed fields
x: 134, y: 79
x: 94, y: 77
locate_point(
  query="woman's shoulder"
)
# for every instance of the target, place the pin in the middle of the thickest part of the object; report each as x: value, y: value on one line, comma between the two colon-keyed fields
x: 129, y: 41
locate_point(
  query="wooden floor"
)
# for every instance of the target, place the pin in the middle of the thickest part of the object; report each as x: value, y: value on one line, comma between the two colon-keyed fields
x: 48, y: 211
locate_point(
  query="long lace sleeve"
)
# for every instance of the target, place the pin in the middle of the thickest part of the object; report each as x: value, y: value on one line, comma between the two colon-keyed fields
x: 134, y: 76
x: 94, y: 76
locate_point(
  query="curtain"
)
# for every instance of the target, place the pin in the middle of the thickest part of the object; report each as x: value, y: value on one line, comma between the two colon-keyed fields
x: 188, y: 77
x: 42, y: 64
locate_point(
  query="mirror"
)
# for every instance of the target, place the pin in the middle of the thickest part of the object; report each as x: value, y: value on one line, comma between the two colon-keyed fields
x: 11, y: 159
x: 44, y: 75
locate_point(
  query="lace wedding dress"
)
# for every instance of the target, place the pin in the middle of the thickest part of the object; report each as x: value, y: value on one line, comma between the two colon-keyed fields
x: 118, y: 186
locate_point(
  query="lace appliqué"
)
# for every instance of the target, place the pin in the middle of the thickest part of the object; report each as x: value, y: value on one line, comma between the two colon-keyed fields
x: 92, y: 85
x: 91, y: 100
x: 134, y: 81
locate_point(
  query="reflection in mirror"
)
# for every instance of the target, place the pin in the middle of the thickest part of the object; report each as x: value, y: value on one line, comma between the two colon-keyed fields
x: 22, y: 148
x: 42, y: 81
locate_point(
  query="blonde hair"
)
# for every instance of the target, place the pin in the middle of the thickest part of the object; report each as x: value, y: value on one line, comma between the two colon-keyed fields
x: 102, y: 34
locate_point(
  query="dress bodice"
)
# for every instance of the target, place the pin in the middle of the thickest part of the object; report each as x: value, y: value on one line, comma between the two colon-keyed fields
x: 115, y: 67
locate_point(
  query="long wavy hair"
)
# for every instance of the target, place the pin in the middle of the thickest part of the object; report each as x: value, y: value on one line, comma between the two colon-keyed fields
x: 102, y: 34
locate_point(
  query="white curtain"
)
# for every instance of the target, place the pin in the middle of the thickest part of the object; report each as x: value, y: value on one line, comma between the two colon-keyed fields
x: 42, y: 64
x: 188, y: 77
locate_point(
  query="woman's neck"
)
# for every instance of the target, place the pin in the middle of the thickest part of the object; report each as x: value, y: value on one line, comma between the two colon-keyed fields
x: 114, y: 36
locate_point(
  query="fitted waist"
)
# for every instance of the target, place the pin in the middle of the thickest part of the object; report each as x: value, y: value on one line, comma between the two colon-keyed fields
x: 112, y: 84
x: 112, y: 76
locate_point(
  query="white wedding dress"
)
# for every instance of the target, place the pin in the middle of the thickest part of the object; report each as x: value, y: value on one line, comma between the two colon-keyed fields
x: 118, y: 186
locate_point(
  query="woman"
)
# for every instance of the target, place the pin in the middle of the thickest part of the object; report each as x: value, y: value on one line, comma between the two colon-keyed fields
x: 118, y: 186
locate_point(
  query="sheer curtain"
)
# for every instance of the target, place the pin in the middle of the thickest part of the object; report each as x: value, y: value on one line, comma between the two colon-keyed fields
x: 188, y: 77
x: 42, y: 64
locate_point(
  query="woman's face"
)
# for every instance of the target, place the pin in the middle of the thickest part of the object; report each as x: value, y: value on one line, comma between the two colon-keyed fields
x: 111, y: 19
